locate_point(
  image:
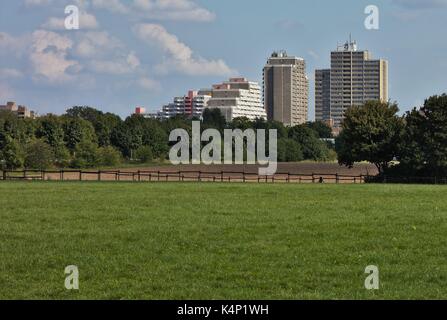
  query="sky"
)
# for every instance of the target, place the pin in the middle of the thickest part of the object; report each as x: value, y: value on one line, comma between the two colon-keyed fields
x: 130, y: 53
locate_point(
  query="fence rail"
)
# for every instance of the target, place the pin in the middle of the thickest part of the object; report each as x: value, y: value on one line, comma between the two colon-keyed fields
x: 176, y: 176
x: 205, y: 176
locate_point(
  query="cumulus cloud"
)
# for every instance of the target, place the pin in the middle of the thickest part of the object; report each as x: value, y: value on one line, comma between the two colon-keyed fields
x: 9, y: 73
x: 179, y: 57
x: 11, y: 44
x: 185, y: 10
x: 118, y: 66
x: 6, y: 92
x: 111, y: 5
x: 86, y: 21
x: 420, y: 4
x: 174, y: 10
x: 48, y: 56
x: 31, y: 3
x: 149, y: 84
x: 96, y: 44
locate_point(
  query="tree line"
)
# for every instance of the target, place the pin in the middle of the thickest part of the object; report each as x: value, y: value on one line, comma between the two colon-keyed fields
x: 414, y: 144
x: 85, y: 137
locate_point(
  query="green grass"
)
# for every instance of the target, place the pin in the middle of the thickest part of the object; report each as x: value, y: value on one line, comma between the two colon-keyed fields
x: 222, y: 241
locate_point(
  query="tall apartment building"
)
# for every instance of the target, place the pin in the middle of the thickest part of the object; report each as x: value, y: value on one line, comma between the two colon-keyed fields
x: 236, y: 98
x: 354, y: 79
x: 323, y: 95
x: 286, y: 89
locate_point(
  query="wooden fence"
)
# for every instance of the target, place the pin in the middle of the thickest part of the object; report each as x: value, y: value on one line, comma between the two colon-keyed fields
x: 176, y: 176
x: 206, y: 176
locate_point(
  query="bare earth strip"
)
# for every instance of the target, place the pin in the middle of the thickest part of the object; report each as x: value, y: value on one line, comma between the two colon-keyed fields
x: 287, y: 172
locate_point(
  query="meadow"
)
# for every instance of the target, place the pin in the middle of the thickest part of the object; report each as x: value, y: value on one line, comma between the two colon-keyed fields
x: 222, y: 241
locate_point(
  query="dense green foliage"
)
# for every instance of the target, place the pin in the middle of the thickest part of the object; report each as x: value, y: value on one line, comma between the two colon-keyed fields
x: 84, y: 137
x: 417, y: 141
x: 222, y: 241
x: 371, y: 132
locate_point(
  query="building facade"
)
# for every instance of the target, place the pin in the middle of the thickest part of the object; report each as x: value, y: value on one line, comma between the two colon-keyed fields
x: 236, y: 98
x: 22, y: 112
x: 190, y: 105
x: 355, y: 78
x: 323, y: 95
x: 286, y: 89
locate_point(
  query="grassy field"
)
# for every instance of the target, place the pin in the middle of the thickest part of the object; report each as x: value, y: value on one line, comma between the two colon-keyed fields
x: 222, y: 241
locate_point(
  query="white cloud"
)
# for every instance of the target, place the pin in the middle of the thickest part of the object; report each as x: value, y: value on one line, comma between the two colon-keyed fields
x: 12, y: 44
x: 117, y: 66
x: 9, y: 73
x: 313, y: 54
x: 48, y: 57
x: 6, y: 92
x: 180, y: 10
x: 420, y: 4
x: 86, y: 21
x: 111, y: 5
x: 30, y: 3
x: 179, y: 57
x: 149, y: 84
x: 96, y: 44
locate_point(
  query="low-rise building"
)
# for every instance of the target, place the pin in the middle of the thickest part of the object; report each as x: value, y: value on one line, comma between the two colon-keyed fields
x: 21, y: 111
x: 237, y: 98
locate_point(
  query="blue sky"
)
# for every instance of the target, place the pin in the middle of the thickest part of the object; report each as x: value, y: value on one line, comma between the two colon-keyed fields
x: 131, y: 53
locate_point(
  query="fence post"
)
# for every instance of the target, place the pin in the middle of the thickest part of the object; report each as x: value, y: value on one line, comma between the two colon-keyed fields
x: 24, y: 174
x: 80, y: 175
x: 4, y: 175
x: 337, y: 178
x: 313, y: 178
x: 288, y: 177
x: 99, y: 175
x: 158, y: 176
x: 139, y: 176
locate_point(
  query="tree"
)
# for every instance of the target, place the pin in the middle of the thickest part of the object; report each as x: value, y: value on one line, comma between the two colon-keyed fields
x: 213, y: 118
x: 322, y: 129
x: 312, y: 147
x: 128, y: 136
x: 108, y: 156
x: 77, y: 130
x: 424, y: 144
x: 86, y: 155
x: 11, y: 153
x: 50, y: 130
x: 371, y: 132
x: 103, y: 123
x: 144, y: 154
x: 39, y: 155
x: 241, y: 123
x: 289, y: 151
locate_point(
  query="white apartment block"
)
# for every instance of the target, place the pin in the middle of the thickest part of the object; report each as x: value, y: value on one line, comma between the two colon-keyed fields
x: 237, y: 98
